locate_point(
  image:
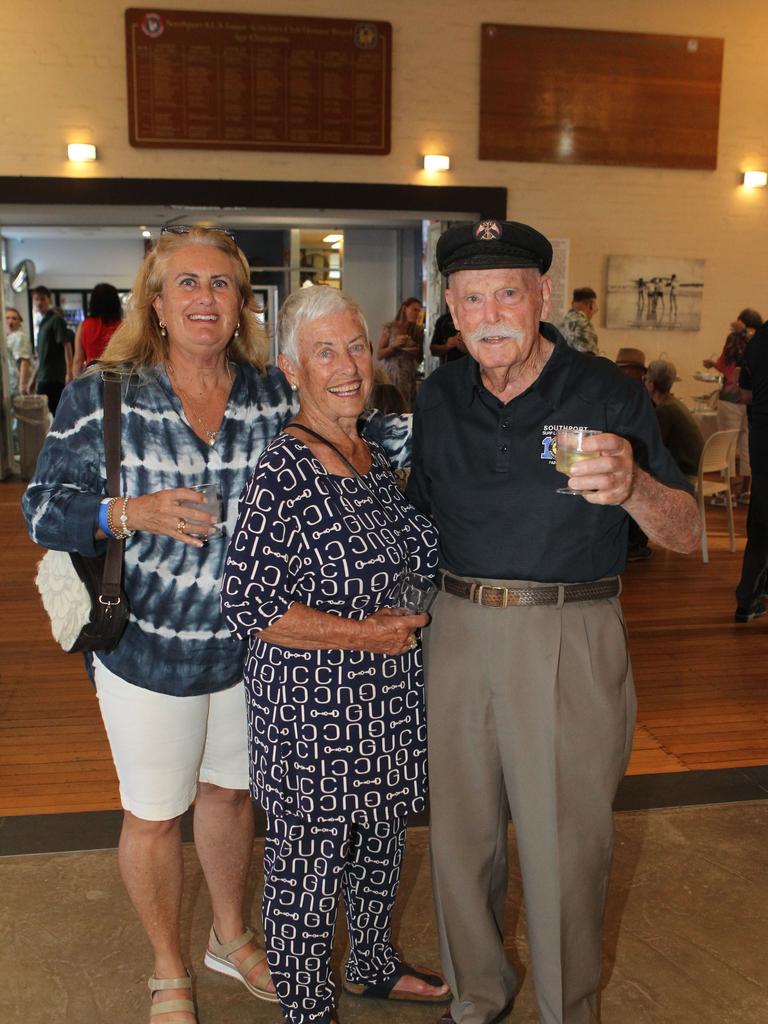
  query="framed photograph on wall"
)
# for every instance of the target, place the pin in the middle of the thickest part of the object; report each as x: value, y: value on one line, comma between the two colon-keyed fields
x: 653, y: 293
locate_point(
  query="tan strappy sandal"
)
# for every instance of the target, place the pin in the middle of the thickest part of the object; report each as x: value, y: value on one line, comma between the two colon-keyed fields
x: 171, y: 1005
x: 217, y: 959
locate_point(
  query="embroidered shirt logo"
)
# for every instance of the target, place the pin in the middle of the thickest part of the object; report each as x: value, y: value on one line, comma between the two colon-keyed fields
x: 549, y: 431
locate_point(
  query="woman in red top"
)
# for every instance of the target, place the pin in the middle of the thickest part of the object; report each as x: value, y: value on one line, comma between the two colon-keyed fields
x: 105, y: 312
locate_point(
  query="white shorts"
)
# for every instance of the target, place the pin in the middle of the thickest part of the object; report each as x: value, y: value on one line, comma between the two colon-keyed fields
x: 163, y: 745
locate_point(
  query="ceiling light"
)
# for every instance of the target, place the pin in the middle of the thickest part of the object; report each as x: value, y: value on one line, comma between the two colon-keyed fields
x: 333, y: 238
x: 754, y: 179
x: 436, y: 162
x: 336, y: 245
x: 80, y: 152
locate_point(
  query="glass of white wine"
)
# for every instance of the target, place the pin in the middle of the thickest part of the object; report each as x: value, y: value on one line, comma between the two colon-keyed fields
x: 570, y: 451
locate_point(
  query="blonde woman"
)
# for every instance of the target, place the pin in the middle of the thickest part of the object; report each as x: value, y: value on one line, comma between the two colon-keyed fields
x: 198, y: 406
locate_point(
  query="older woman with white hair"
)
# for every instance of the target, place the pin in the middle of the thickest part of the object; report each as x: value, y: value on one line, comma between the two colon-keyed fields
x: 333, y: 677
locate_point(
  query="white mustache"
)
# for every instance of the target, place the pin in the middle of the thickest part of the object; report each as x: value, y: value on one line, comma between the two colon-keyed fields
x: 494, y: 331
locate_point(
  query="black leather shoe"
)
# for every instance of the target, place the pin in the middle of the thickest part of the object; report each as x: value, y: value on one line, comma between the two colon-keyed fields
x: 747, y: 614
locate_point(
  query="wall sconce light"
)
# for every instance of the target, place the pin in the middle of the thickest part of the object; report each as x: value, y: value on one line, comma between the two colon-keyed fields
x: 80, y: 152
x: 754, y: 179
x: 435, y: 162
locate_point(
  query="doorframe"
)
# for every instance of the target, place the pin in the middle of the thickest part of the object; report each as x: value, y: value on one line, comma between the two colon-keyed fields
x: 476, y: 201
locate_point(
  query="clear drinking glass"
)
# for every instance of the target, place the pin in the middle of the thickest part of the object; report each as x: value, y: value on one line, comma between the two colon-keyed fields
x: 569, y: 451
x: 414, y: 594
x: 211, y: 505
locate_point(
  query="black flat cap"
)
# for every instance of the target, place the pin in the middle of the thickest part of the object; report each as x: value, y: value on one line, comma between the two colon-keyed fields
x: 490, y: 245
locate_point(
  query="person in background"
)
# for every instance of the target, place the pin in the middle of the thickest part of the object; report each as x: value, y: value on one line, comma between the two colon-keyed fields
x: 385, y: 396
x: 334, y: 674
x: 54, y: 349
x: 632, y: 362
x: 530, y: 700
x: 753, y: 585
x: 20, y: 354
x: 576, y: 326
x: 105, y: 311
x: 447, y: 342
x: 732, y: 404
x: 680, y: 432
x: 401, y: 348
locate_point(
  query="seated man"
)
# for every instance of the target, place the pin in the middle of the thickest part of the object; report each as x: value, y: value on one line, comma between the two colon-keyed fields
x: 679, y: 430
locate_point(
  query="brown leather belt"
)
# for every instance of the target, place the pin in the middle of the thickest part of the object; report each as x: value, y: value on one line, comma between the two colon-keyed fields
x: 505, y: 597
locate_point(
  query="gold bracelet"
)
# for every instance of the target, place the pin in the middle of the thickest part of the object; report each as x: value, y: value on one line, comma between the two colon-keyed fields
x: 113, y: 529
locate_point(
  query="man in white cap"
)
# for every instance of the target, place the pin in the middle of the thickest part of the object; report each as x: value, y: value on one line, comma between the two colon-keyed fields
x: 529, y: 690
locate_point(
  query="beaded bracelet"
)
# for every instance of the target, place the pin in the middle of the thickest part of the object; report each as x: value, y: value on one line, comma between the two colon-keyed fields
x: 124, y: 520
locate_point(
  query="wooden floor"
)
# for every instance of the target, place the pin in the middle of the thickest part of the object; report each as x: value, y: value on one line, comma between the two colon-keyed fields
x: 701, y: 680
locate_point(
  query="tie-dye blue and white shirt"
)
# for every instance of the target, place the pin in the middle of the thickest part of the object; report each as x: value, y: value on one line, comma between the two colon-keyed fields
x: 176, y: 641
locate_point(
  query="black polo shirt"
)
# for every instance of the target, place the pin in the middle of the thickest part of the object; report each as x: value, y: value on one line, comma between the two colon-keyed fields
x: 485, y: 470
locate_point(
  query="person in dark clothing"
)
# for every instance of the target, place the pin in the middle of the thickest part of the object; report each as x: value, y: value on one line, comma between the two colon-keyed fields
x: 447, y: 342
x: 680, y: 432
x: 751, y: 591
x: 54, y: 349
x: 530, y: 707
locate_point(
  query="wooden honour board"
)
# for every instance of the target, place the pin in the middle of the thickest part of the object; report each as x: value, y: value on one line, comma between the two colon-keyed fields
x: 574, y: 96
x: 251, y: 81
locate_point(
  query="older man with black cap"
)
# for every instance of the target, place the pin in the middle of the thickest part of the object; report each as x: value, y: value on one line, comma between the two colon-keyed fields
x: 530, y: 696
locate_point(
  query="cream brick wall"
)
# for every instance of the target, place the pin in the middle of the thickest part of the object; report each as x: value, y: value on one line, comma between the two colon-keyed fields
x: 64, y: 64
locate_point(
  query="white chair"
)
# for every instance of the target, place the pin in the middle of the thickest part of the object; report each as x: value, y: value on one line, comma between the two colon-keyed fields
x: 716, y: 457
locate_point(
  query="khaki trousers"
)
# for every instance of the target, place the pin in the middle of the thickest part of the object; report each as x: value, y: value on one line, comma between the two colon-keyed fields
x: 531, y: 711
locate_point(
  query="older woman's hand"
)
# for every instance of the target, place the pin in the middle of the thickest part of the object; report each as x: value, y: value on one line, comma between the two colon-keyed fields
x: 386, y: 632
x: 163, y: 513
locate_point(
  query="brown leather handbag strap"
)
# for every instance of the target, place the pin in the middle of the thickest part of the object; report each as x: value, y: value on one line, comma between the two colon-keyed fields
x: 113, y: 563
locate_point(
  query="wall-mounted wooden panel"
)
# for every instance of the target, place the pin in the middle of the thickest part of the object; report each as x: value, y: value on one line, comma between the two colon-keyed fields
x: 585, y: 97
x: 210, y: 80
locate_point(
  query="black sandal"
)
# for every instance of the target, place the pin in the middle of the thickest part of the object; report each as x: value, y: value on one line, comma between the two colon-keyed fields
x: 386, y: 989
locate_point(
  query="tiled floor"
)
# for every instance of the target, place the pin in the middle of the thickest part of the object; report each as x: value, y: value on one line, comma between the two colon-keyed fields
x: 686, y: 931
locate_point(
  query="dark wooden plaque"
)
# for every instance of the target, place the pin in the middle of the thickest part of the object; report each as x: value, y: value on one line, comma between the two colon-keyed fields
x: 572, y: 96
x: 254, y: 81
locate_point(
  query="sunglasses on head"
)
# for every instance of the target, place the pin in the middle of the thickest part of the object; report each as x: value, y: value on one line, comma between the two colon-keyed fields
x: 184, y: 229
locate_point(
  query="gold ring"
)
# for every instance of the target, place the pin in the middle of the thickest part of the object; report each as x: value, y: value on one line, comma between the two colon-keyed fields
x: 181, y: 526
x: 412, y: 643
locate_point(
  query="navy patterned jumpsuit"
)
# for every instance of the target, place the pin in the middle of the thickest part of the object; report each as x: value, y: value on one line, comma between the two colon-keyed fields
x: 338, y: 738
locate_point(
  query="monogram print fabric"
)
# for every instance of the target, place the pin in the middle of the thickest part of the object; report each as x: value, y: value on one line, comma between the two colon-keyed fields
x: 334, y: 734
x: 306, y: 867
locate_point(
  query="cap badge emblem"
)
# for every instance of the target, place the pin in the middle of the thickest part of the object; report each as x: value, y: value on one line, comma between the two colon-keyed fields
x: 488, y: 231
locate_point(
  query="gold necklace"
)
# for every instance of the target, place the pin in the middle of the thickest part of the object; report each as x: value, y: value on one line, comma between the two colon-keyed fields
x: 210, y: 435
